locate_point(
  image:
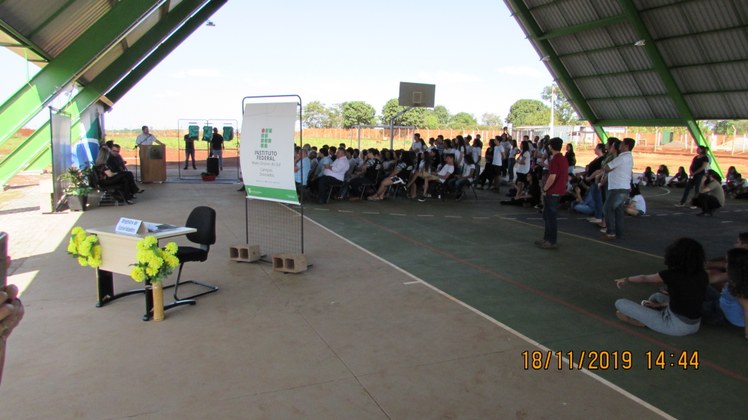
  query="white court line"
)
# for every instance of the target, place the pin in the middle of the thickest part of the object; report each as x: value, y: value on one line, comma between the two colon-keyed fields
x: 321, y: 209
x: 345, y: 211
x: 516, y: 333
x: 408, y: 283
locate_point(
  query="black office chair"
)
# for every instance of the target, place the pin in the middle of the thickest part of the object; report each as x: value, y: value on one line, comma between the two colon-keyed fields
x: 204, y: 220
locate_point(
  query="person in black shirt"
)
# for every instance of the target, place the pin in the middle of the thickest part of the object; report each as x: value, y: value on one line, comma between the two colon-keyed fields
x: 189, y: 150
x: 699, y: 165
x: 216, y: 147
x: 676, y: 311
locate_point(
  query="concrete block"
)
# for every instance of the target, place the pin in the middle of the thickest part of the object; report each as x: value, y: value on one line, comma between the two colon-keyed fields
x: 244, y: 253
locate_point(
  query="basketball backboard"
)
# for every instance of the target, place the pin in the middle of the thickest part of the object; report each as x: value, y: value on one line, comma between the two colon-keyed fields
x: 417, y: 95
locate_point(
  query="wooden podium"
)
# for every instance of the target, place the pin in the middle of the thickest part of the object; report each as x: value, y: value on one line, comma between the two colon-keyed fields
x: 153, y: 163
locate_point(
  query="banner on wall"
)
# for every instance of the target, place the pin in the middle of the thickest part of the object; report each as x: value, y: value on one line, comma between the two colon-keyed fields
x: 267, y: 151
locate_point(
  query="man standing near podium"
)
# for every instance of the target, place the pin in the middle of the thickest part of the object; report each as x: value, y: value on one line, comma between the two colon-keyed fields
x: 145, y: 138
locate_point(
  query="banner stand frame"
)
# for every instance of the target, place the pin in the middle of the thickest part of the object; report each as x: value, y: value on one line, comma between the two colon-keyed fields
x: 301, y: 144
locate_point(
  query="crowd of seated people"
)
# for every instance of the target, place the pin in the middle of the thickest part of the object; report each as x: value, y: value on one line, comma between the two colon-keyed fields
x: 112, y: 173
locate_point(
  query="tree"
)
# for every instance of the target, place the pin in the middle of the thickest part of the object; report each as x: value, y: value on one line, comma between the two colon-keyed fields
x: 358, y: 113
x: 528, y: 112
x: 334, y: 118
x: 315, y: 115
x: 430, y: 120
x: 463, y: 120
x: 442, y: 116
x: 414, y: 117
x: 491, y: 120
x: 564, y: 112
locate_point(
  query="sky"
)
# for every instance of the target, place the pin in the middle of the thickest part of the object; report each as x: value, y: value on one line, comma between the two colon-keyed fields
x: 331, y: 51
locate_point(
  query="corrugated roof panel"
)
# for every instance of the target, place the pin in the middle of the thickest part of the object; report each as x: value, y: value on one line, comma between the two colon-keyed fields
x: 622, y: 85
x: 622, y: 34
x: 680, y: 52
x: 648, y: 4
x: 738, y: 102
x: 650, y: 83
x: 741, y: 8
x: 577, y: 12
x: 605, y: 108
x: 607, y: 8
x: 26, y: 15
x: 665, y: 22
x: 578, y: 65
x: 70, y: 24
x: 634, y: 108
x: 663, y: 107
x: 592, y: 87
x: 731, y: 76
x: 567, y: 44
x: 695, y: 79
x: 725, y: 46
x: 704, y: 16
x: 607, y: 61
x: 548, y: 18
x: 595, y: 39
x: 531, y: 4
x: 708, y: 106
x: 636, y: 58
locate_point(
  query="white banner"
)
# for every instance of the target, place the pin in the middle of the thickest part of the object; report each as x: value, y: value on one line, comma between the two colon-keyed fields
x: 267, y: 151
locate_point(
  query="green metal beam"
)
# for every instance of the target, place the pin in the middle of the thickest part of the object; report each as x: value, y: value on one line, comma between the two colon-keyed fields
x: 163, y: 50
x: 36, y: 146
x: 660, y: 66
x: 600, y: 130
x: 587, y: 26
x: 544, y: 47
x: 69, y: 64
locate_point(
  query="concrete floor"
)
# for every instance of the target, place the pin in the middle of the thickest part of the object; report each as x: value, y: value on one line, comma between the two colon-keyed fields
x: 353, y: 337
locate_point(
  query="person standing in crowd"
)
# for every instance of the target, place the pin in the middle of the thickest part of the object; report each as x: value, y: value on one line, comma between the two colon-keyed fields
x: 189, y: 151
x: 216, y: 147
x: 619, y: 172
x: 554, y: 188
x: 699, y: 165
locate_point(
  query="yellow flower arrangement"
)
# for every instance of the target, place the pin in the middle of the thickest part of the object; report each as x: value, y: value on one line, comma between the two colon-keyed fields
x: 154, y: 263
x: 84, y: 248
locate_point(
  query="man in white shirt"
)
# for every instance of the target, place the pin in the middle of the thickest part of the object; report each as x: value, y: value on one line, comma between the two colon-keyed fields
x: 333, y: 174
x: 619, y: 172
x: 146, y: 138
x: 444, y: 173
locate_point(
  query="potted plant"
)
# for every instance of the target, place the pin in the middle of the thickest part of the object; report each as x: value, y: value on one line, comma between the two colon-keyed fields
x: 153, y: 265
x: 76, y: 187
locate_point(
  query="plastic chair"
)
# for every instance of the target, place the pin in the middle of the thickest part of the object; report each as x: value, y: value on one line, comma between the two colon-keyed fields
x: 204, y: 220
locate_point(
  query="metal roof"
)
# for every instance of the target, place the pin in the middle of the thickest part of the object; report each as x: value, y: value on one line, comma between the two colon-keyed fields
x: 40, y: 30
x: 643, y: 62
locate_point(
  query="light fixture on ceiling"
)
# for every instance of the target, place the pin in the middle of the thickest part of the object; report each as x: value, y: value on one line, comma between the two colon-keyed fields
x: 210, y: 23
x: 640, y: 43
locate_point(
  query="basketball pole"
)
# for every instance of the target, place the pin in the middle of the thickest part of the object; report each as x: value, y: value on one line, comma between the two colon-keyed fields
x: 392, y: 126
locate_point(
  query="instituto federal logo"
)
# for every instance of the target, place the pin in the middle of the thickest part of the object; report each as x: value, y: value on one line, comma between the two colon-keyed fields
x: 265, y: 139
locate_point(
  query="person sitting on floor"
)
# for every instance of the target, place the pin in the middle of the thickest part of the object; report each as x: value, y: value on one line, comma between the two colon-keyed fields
x: 733, y: 301
x: 679, y: 180
x: 635, y: 206
x: 733, y: 181
x: 647, y: 178
x: 717, y: 267
x: 678, y: 312
x: 529, y: 196
x: 711, y: 195
x: 661, y: 177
